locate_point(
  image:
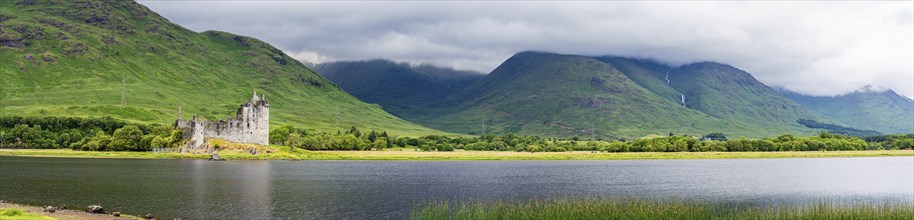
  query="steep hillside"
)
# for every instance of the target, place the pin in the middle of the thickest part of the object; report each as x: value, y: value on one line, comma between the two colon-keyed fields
x: 726, y: 92
x: 564, y: 95
x: 649, y: 74
x: 119, y: 59
x: 718, y: 90
x: 397, y: 87
x: 883, y: 111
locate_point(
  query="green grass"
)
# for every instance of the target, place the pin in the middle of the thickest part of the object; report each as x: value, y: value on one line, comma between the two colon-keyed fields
x: 19, y: 214
x: 55, y: 63
x: 285, y: 153
x: 613, y: 208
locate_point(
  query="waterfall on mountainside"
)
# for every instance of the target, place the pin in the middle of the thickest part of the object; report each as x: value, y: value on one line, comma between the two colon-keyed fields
x: 682, y: 99
x: 681, y: 96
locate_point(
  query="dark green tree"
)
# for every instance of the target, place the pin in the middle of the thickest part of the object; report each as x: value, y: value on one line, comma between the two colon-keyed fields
x: 355, y: 131
x: 373, y: 136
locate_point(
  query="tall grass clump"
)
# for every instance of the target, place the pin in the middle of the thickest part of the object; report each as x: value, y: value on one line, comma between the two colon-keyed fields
x: 615, y: 208
x: 19, y: 214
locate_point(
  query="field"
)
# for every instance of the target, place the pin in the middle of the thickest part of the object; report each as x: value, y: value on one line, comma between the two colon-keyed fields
x: 285, y: 153
x: 613, y: 208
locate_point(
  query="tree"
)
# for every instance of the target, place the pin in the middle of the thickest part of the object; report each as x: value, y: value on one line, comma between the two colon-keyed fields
x: 294, y: 140
x: 903, y: 143
x: 127, y: 138
x: 379, y: 144
x: 372, y: 136
x: 355, y: 131
x: 785, y: 138
x: 280, y: 134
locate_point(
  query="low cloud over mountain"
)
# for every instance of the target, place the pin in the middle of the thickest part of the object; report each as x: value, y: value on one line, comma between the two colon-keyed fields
x: 816, y: 48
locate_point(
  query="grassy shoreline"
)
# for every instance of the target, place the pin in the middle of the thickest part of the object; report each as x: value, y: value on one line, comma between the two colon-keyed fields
x: 615, y: 208
x: 284, y: 153
x: 16, y: 211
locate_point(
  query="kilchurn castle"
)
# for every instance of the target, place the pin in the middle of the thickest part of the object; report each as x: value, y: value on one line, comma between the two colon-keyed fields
x: 251, y: 125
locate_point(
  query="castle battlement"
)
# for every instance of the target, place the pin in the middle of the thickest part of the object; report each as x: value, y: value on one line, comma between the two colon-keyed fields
x: 251, y: 125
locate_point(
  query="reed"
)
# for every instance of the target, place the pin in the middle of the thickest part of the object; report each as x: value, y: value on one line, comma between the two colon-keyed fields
x: 616, y: 208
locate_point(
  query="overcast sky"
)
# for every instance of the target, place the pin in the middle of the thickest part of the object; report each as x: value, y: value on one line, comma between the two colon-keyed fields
x: 817, y: 48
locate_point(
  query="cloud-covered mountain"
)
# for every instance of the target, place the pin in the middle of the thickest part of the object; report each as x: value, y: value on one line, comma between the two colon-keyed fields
x: 552, y: 94
x: 803, y: 48
x: 397, y: 87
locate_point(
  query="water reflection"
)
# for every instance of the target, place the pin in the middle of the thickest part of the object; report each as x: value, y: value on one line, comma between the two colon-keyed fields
x: 199, y: 189
x: 242, y: 189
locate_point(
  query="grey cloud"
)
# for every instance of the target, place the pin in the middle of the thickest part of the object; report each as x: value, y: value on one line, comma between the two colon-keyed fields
x: 818, y: 48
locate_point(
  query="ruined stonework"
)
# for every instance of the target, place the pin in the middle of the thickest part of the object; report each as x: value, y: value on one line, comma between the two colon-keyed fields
x: 250, y: 125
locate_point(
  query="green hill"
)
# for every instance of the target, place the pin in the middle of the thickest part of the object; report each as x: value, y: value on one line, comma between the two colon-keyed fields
x: 649, y: 74
x: 726, y: 92
x: 718, y: 90
x: 79, y: 58
x: 564, y: 95
x: 397, y: 87
x: 883, y: 111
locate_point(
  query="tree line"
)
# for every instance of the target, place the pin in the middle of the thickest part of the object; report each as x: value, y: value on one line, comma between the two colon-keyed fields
x: 98, y: 134
x: 356, y: 140
x: 837, y: 129
x: 107, y: 134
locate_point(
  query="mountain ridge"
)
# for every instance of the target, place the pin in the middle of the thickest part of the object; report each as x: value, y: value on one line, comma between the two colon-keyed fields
x: 397, y: 87
x: 559, y: 95
x: 884, y: 111
x: 543, y: 93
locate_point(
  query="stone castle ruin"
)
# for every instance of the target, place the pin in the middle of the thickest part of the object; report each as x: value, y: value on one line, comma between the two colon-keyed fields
x: 251, y: 125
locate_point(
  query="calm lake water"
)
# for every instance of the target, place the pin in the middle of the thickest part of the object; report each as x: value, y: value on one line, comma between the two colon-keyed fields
x: 200, y: 189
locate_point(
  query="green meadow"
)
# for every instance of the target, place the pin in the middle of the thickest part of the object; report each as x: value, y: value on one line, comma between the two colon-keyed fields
x: 286, y: 153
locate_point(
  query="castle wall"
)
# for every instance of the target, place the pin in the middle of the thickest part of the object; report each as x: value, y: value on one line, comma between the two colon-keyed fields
x: 192, y: 131
x: 251, y: 125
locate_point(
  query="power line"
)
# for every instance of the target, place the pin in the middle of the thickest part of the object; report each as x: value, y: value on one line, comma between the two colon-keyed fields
x: 592, y: 137
x: 123, y: 93
x: 483, y: 123
x: 337, y: 117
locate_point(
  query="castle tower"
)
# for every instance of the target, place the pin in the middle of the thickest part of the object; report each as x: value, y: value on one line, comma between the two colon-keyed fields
x: 259, y: 120
x: 180, y: 123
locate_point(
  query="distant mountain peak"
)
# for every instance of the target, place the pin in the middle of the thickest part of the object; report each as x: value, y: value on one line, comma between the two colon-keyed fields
x: 873, y: 89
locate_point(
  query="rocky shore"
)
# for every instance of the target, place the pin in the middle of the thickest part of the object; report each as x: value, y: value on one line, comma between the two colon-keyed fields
x: 90, y: 213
